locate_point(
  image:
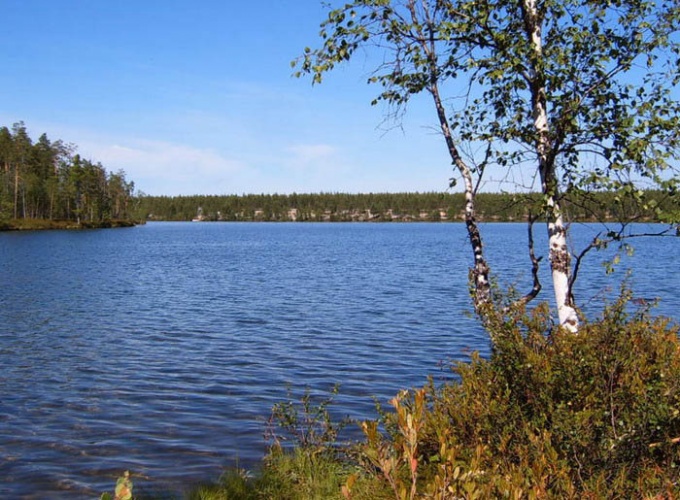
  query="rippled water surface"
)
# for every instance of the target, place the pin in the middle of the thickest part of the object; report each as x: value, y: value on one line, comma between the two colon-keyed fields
x: 162, y: 348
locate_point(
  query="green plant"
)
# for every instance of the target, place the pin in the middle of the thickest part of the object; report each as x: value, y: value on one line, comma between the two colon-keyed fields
x: 549, y: 415
x: 307, y: 423
x: 400, y: 454
x: 123, y: 489
x: 305, y: 456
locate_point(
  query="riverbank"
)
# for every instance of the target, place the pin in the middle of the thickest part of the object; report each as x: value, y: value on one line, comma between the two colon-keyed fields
x: 45, y: 224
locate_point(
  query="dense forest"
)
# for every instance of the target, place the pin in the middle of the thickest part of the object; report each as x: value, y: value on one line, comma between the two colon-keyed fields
x: 47, y: 181
x: 386, y: 207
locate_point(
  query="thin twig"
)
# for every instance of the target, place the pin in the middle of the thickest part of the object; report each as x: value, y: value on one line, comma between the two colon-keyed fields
x: 597, y: 242
x: 536, y: 288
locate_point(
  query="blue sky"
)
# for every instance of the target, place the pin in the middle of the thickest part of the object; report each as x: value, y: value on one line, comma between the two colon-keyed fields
x: 197, y: 97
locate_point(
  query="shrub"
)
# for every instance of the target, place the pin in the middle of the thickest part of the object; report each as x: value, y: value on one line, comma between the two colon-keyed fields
x: 549, y: 415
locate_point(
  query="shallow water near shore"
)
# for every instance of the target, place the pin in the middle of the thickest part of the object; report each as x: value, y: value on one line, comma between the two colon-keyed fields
x: 162, y: 348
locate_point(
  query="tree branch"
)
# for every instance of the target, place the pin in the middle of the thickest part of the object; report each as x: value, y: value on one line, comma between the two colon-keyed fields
x: 536, y: 288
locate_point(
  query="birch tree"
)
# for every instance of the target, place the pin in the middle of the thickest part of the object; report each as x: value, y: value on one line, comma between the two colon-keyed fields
x: 577, y: 94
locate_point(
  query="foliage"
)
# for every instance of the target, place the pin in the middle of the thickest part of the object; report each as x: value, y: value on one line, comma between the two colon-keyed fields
x: 123, y: 489
x: 312, y: 467
x: 46, y: 180
x: 307, y: 423
x: 549, y: 415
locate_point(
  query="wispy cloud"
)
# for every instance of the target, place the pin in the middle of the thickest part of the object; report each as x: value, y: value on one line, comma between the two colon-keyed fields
x: 303, y: 156
x: 167, y: 167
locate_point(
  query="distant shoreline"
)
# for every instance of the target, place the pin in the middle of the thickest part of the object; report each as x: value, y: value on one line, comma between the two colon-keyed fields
x: 396, y: 207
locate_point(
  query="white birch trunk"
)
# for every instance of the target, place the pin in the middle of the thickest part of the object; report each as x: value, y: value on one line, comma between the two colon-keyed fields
x: 560, y: 265
x: 560, y: 258
x: 480, y: 271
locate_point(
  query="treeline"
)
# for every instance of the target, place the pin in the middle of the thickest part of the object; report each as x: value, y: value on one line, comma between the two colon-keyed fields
x: 403, y: 207
x: 46, y: 180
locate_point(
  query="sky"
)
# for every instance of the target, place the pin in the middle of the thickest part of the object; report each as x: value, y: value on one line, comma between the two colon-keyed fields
x: 197, y: 97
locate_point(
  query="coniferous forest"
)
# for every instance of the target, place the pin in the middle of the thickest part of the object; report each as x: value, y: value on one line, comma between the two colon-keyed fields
x: 47, y: 180
x: 399, y: 207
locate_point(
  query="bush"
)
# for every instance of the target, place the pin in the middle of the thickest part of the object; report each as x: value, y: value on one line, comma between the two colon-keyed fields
x: 549, y: 415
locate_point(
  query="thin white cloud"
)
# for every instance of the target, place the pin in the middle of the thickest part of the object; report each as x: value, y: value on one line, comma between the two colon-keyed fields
x: 153, y: 157
x: 303, y: 156
x: 164, y: 167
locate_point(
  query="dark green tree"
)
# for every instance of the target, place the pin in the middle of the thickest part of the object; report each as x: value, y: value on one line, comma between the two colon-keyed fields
x: 19, y: 157
x: 6, y: 198
x: 47, y: 180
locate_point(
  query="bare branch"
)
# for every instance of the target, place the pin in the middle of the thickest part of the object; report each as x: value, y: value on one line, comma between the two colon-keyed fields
x: 595, y: 243
x: 536, y: 288
x: 612, y: 236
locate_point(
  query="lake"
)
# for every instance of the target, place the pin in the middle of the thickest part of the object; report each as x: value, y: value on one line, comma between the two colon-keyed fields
x: 162, y: 348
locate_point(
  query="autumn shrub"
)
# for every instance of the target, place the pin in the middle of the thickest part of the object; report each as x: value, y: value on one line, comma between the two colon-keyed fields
x: 550, y: 414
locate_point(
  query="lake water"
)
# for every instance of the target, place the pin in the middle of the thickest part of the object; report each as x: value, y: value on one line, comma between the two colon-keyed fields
x: 162, y: 348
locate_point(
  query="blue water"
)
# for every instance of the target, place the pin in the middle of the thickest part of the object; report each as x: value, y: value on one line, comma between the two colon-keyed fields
x: 162, y: 348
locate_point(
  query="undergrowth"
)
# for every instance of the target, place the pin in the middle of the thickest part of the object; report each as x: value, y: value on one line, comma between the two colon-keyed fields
x: 549, y: 415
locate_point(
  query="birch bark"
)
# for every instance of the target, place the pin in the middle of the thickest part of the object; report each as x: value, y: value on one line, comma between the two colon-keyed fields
x: 480, y: 270
x: 560, y: 258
